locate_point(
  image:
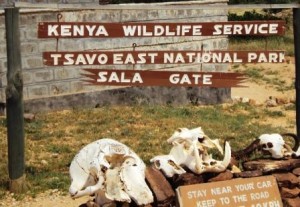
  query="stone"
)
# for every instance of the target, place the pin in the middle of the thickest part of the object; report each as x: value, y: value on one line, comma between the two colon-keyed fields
x: 186, y: 179
x: 296, y: 171
x: 248, y: 174
x: 282, y: 101
x: 253, y: 102
x: 44, y: 162
x: 287, y: 180
x: 226, y: 175
x: 29, y: 117
x: 245, y: 100
x: 292, y: 202
x: 271, y: 102
x: 161, y: 188
x: 289, y: 193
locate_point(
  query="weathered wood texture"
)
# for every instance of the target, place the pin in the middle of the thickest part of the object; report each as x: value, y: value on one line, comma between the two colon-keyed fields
x: 14, y: 102
x: 272, y: 165
x: 296, y: 29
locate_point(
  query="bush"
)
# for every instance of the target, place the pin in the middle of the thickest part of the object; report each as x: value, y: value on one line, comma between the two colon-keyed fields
x: 251, y: 15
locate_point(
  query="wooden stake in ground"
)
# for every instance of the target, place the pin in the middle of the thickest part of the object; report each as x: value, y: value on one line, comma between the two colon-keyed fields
x: 296, y: 26
x: 14, y: 103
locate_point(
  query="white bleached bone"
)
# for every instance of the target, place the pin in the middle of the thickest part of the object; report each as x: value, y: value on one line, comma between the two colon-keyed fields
x: 297, y: 152
x: 114, y: 186
x: 167, y: 164
x: 185, y: 134
x: 272, y: 143
x: 200, y: 163
x: 190, y: 149
x: 196, y: 135
x: 212, y: 165
x: 96, y: 170
x: 134, y: 182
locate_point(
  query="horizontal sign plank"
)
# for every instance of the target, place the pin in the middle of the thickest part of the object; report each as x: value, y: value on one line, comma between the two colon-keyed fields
x: 160, y: 57
x: 247, y: 192
x: 161, y: 78
x: 159, y: 29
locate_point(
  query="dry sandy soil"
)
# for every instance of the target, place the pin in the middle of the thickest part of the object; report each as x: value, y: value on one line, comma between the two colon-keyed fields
x: 256, y: 90
x: 261, y: 91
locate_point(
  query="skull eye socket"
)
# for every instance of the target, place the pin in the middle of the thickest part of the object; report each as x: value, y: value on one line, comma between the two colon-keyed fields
x: 213, y: 162
x: 264, y: 146
x: 103, y: 169
x: 205, y: 163
x: 157, y: 164
x: 269, y: 144
x: 200, y: 139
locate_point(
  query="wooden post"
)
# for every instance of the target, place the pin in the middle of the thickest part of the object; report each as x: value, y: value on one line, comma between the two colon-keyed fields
x: 14, y: 103
x: 296, y: 24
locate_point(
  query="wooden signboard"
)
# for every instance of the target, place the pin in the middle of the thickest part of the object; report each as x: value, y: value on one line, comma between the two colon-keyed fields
x: 160, y: 57
x: 161, y: 78
x: 246, y: 192
x: 159, y: 29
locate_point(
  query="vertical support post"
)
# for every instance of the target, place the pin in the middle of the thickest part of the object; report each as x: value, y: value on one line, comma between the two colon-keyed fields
x: 296, y: 25
x: 14, y: 103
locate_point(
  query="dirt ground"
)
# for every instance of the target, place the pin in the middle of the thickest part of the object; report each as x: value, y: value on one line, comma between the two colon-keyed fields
x: 257, y: 91
x: 260, y: 92
x: 51, y: 198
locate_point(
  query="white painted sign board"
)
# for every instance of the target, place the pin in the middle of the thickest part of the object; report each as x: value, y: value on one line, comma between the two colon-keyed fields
x: 247, y: 192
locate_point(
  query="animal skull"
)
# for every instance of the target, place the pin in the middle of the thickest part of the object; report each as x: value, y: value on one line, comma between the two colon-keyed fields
x: 274, y: 144
x: 102, y: 167
x: 196, y: 135
x: 134, y: 182
x: 200, y: 163
x: 185, y: 134
x: 167, y: 164
x: 190, y: 149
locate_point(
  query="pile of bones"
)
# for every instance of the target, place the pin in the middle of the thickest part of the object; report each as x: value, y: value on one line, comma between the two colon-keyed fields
x: 113, y: 172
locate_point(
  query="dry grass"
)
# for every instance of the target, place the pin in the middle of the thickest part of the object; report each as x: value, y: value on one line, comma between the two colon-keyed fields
x: 54, y: 138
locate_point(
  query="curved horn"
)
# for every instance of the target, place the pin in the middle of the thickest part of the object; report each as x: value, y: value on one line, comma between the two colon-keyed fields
x: 244, y: 152
x: 227, y: 154
x: 296, y: 139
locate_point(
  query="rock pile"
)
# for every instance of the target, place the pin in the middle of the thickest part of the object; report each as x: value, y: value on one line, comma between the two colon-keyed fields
x: 270, y: 102
x: 286, y: 172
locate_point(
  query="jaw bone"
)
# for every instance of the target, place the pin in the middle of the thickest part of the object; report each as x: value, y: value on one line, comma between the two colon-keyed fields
x: 200, y: 163
x: 167, y: 164
x: 191, y: 158
x: 134, y: 182
x: 212, y: 165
